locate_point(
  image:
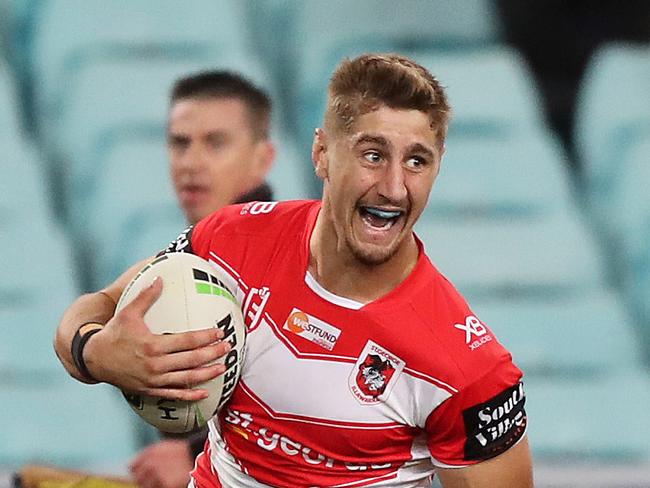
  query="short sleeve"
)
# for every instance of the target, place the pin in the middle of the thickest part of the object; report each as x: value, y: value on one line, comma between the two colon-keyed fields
x: 481, y: 421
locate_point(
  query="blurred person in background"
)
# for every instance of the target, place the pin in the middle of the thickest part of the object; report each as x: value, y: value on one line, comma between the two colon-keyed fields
x: 220, y: 153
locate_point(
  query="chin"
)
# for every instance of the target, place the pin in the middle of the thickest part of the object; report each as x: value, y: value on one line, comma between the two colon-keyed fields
x: 373, y: 255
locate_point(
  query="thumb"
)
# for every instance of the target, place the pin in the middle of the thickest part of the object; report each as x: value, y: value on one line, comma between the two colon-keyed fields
x: 147, y: 297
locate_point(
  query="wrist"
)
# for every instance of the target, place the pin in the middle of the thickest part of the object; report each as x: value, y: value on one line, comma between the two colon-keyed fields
x: 79, y: 343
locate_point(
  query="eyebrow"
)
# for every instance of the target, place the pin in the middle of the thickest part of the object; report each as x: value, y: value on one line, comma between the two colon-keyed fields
x: 382, y: 141
x: 371, y: 139
x: 421, y: 149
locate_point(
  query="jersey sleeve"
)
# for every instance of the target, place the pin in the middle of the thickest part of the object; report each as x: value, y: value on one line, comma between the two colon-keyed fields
x: 481, y: 421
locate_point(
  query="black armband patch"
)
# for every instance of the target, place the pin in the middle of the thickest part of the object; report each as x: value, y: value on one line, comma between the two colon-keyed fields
x: 493, y: 426
x: 183, y: 243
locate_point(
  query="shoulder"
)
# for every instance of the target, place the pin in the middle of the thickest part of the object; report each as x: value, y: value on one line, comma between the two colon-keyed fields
x: 242, y: 221
x: 464, y: 345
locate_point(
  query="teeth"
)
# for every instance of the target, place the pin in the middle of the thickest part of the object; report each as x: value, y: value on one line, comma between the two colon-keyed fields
x: 383, y: 214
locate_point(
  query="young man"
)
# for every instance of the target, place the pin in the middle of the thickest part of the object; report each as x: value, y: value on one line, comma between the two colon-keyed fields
x: 364, y: 366
x: 218, y: 142
x: 220, y: 153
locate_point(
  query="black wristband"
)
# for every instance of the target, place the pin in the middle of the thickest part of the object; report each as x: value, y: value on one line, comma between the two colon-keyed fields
x: 79, y: 342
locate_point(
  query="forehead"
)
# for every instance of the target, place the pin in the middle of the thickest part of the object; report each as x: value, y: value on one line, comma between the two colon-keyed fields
x: 399, y: 127
x: 208, y: 114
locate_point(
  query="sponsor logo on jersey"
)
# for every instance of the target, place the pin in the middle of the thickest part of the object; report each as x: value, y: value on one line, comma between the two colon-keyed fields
x: 257, y: 208
x: 374, y: 374
x: 474, y: 328
x: 254, y: 305
x: 245, y: 425
x: 312, y: 329
x: 183, y: 243
x: 495, y: 425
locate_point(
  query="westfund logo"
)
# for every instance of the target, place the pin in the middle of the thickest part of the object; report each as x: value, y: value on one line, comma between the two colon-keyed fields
x: 495, y: 425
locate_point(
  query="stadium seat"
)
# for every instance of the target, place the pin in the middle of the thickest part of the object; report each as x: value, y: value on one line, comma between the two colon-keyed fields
x: 629, y: 207
x: 9, y: 103
x: 514, y: 255
x: 38, y: 281
x: 24, y: 190
x: 637, y: 287
x: 292, y: 176
x: 131, y: 173
x: 64, y: 423
x: 70, y: 34
x: 613, y: 112
x: 575, y: 334
x: 37, y: 265
x: 602, y: 420
x: 488, y: 176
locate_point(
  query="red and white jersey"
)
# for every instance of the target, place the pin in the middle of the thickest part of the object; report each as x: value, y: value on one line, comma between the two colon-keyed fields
x: 338, y: 393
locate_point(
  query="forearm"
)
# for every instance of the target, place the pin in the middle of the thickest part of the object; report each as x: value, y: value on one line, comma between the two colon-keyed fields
x: 93, y: 307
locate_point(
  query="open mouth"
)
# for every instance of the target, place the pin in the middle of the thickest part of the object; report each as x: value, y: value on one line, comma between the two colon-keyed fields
x: 380, y: 218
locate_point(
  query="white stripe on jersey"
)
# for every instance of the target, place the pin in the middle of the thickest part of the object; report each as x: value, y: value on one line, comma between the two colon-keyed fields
x: 410, y: 402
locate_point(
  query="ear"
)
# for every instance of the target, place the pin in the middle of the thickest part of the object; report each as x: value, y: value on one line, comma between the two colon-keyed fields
x: 319, y: 154
x: 263, y: 161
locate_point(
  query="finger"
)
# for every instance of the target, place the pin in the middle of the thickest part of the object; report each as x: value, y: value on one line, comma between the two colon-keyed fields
x: 195, y: 358
x: 187, y: 341
x: 187, y: 395
x: 187, y: 378
x: 147, y: 297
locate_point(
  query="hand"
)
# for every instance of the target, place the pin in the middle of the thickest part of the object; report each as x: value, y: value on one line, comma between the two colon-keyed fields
x: 166, y: 464
x: 126, y: 354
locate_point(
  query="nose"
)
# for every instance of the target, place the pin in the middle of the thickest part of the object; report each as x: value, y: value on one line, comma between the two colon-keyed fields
x: 392, y: 183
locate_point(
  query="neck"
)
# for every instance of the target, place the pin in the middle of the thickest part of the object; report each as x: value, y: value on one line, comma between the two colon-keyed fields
x: 337, y: 270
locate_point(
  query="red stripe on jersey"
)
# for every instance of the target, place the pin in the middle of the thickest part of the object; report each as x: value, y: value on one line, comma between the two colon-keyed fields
x: 270, y: 457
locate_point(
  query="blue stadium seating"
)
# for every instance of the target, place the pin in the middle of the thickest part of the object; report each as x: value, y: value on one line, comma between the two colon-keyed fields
x: 613, y: 111
x: 484, y: 176
x: 602, y: 420
x: 71, y: 33
x: 575, y: 334
x: 63, y: 423
x: 512, y: 256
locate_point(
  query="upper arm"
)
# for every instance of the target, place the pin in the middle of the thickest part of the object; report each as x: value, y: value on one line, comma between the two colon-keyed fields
x: 512, y: 469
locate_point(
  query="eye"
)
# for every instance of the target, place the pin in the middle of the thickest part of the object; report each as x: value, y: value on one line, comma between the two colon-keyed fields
x: 372, y: 157
x: 177, y: 142
x: 416, y: 162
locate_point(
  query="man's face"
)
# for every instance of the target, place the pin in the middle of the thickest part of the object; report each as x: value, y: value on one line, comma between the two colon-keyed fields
x: 214, y: 155
x: 377, y: 180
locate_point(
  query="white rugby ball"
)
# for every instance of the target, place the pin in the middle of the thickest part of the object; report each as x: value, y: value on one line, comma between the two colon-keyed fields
x: 193, y: 297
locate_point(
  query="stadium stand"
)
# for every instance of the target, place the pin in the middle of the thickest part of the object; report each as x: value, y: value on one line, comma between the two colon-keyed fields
x: 52, y: 421
x: 199, y: 26
x: 578, y: 334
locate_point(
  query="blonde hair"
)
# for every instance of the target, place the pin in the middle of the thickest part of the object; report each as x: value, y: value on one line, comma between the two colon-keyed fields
x: 363, y: 84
